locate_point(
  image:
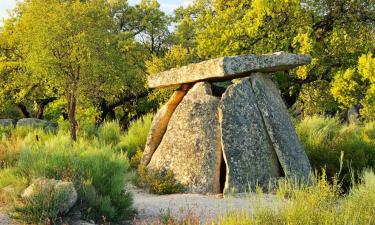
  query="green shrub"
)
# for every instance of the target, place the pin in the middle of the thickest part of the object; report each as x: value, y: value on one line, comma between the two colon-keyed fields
x: 109, y: 133
x: 11, y: 185
x: 41, y: 208
x: 89, y: 166
x: 9, y: 151
x: 325, y: 139
x: 158, y: 182
x: 136, y: 136
x: 88, y: 131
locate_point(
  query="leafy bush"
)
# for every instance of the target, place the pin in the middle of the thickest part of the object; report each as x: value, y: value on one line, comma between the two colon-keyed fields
x: 42, y: 207
x: 109, y: 133
x: 136, y: 136
x: 158, y: 182
x: 325, y: 139
x: 315, y: 98
x: 98, y: 174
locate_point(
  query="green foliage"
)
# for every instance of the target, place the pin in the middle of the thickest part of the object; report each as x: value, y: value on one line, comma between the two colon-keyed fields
x: 136, y: 136
x: 158, y: 182
x: 82, y: 163
x: 326, y: 139
x: 357, y: 85
x: 42, y: 207
x: 176, y: 57
x: 316, y: 205
x: 98, y: 174
x: 315, y: 99
x: 321, y: 203
x: 11, y: 185
x: 109, y: 133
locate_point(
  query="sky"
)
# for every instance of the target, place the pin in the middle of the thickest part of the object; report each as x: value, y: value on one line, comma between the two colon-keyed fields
x: 166, y: 5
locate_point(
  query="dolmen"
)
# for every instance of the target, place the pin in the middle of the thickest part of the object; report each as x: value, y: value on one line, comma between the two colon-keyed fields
x: 224, y: 139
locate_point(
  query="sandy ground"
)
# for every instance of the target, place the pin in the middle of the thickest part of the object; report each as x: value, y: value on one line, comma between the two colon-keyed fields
x: 206, y: 207
x: 4, y: 219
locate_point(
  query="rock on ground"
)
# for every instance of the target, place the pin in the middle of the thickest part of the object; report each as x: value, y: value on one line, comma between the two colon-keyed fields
x: 36, y: 123
x: 6, y: 122
x: 248, y: 152
x: 191, y: 146
x: 42, y: 185
x: 286, y: 143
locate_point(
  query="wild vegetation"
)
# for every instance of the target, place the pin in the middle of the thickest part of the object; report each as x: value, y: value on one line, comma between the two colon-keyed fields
x: 84, y: 65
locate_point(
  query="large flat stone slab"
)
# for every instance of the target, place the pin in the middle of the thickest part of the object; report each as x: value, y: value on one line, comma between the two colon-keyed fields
x: 248, y: 151
x: 286, y: 143
x: 227, y: 68
x: 191, y: 145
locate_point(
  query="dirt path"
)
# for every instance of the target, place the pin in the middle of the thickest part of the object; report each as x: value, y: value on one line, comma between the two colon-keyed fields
x: 206, y: 207
x: 4, y: 219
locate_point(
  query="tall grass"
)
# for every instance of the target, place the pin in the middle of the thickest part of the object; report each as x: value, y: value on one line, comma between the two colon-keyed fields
x: 325, y: 139
x: 319, y: 204
x: 136, y: 136
x: 98, y: 173
x: 109, y: 133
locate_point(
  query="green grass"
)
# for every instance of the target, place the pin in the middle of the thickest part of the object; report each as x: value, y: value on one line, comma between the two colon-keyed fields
x: 97, y: 171
x: 320, y: 204
x: 136, y: 136
x: 326, y: 139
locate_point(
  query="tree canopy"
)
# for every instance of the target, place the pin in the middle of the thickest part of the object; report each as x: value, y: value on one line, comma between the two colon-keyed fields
x: 74, y: 59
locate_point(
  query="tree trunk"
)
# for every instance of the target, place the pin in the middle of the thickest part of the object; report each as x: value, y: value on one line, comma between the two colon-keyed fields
x: 23, y: 110
x: 72, y: 105
x: 42, y: 103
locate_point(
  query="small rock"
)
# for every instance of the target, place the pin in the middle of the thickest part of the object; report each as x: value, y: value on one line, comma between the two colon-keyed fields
x: 37, y: 123
x: 43, y: 185
x: 7, y: 122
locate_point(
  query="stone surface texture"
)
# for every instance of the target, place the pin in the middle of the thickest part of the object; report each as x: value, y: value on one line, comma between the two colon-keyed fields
x: 248, y: 152
x: 191, y: 145
x: 160, y: 123
x: 53, y: 186
x: 36, y: 123
x: 7, y: 122
x: 227, y: 68
x: 286, y: 144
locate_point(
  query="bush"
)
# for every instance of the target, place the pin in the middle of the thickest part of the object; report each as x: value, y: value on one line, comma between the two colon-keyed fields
x: 136, y: 136
x: 42, y: 207
x: 325, y: 139
x: 158, y: 182
x: 98, y: 174
x: 109, y: 133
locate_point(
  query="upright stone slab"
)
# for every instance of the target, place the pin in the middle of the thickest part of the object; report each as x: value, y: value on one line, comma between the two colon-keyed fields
x: 288, y: 147
x: 248, y: 152
x: 160, y: 123
x: 191, y: 145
